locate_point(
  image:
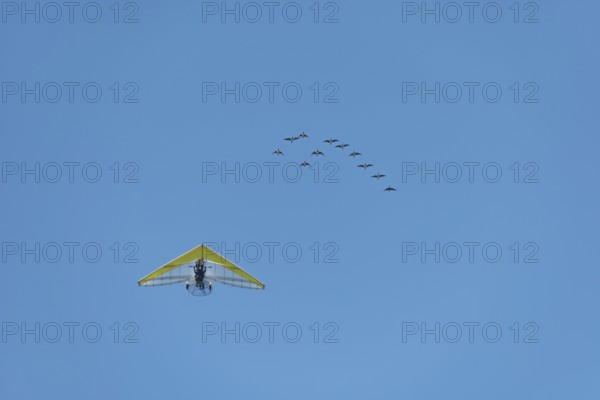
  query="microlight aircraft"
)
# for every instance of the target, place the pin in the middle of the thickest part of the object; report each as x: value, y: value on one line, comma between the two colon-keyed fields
x: 198, y: 268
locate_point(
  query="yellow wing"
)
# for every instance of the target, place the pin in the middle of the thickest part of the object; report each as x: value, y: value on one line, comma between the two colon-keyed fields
x: 218, y: 268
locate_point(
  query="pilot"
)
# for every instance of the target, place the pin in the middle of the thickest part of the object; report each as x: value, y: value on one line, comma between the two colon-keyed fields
x: 199, y: 271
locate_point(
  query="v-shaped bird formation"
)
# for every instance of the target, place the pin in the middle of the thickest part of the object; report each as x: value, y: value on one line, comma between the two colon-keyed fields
x: 339, y: 145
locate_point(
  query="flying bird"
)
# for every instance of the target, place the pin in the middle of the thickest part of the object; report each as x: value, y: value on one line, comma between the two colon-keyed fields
x: 317, y: 153
x: 303, y: 135
x: 291, y: 139
x: 305, y: 164
x: 355, y: 153
x: 389, y: 189
x: 365, y: 166
x: 330, y: 141
x: 278, y: 152
x: 342, y: 145
x: 378, y: 176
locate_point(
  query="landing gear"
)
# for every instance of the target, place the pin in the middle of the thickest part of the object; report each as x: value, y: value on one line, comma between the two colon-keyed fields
x: 199, y: 289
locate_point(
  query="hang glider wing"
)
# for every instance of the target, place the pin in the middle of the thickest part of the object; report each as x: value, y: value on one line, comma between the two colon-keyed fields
x: 169, y: 274
x: 218, y: 268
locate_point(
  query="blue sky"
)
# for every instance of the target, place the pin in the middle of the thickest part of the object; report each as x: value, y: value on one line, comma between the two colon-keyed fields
x: 367, y: 280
